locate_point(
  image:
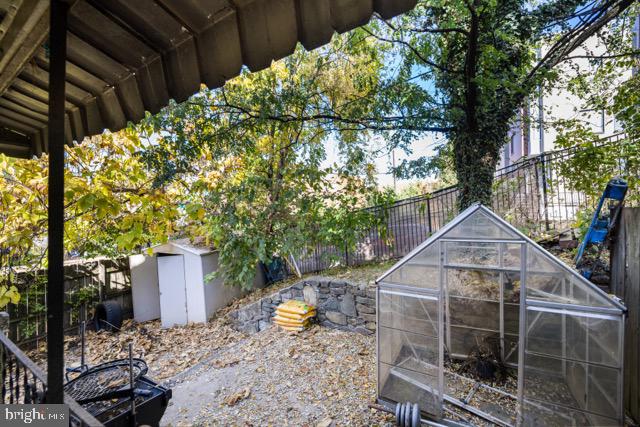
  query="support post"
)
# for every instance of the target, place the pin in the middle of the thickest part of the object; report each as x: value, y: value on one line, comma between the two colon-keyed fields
x: 55, y: 273
x: 544, y: 192
x: 522, y: 335
x: 429, y: 215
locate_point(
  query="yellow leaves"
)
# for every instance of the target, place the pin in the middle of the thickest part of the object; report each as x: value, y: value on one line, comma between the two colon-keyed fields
x: 196, y: 211
x: 8, y: 295
x: 109, y: 199
x: 264, y: 143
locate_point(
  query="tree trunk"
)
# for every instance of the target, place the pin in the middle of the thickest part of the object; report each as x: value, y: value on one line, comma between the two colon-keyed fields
x: 475, y: 162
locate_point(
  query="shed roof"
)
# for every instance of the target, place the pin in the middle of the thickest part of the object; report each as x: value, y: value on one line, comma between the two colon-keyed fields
x: 196, y: 248
x: 127, y: 57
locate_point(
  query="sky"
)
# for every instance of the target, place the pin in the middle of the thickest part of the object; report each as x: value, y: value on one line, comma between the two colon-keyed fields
x: 383, y: 159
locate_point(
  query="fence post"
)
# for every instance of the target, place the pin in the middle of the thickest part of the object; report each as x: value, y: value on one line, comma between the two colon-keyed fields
x: 102, y: 280
x: 429, y: 215
x: 544, y: 192
x: 346, y: 254
x: 4, y: 323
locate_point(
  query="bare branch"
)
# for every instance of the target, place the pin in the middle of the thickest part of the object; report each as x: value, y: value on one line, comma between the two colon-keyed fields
x: 414, y: 50
x: 619, y: 55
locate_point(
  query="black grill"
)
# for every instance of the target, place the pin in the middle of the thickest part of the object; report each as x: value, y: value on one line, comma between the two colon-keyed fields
x: 105, y: 392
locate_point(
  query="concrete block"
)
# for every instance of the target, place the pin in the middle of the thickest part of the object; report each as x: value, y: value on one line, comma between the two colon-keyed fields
x: 310, y: 295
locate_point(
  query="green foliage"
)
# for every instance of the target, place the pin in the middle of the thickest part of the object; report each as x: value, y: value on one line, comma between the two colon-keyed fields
x: 252, y: 159
x: 594, y: 164
x: 582, y: 222
x: 83, y: 295
x: 466, y: 69
x: 422, y: 188
x: 604, y: 82
x: 626, y: 106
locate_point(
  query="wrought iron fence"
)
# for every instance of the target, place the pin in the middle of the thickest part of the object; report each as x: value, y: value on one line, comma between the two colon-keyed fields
x: 531, y: 194
x: 24, y: 382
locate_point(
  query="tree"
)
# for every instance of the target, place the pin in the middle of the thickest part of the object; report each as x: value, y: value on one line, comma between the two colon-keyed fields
x: 110, y: 205
x: 468, y: 66
x: 253, y: 155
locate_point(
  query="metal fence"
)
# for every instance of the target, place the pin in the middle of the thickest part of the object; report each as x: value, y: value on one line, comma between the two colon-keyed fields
x: 86, y: 283
x: 531, y: 194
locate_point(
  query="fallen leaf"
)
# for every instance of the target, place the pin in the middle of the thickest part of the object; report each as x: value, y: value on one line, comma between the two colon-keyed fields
x: 326, y: 422
x: 233, y: 399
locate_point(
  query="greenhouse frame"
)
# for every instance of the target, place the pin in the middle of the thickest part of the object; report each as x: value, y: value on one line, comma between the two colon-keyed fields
x: 456, y: 301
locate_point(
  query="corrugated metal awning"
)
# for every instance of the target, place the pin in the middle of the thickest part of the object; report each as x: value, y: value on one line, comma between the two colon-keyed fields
x: 127, y: 57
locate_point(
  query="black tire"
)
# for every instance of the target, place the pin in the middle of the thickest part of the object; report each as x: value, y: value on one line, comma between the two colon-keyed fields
x: 108, y: 316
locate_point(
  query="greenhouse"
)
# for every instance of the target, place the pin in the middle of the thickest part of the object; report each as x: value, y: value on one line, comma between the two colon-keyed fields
x: 480, y: 319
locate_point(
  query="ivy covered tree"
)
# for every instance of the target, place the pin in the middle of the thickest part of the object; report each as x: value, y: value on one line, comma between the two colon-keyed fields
x: 466, y: 67
x: 253, y: 155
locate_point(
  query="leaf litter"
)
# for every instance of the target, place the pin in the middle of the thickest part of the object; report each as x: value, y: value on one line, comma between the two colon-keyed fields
x: 318, y: 377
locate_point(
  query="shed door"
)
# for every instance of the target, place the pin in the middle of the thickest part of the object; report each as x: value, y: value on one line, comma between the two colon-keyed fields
x: 144, y: 287
x: 173, y: 300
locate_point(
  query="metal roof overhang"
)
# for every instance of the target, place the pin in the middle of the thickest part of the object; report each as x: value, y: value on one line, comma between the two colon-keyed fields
x: 127, y: 57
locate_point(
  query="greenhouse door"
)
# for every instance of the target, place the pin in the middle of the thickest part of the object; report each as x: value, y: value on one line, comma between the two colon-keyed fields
x: 481, y: 295
x: 409, y: 351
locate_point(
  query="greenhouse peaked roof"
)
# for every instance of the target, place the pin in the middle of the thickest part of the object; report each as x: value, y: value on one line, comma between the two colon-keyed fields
x: 480, y: 226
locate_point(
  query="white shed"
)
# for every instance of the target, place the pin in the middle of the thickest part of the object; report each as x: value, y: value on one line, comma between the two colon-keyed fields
x: 171, y: 285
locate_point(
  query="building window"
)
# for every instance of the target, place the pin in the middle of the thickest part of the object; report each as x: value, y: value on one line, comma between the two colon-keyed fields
x: 507, y: 157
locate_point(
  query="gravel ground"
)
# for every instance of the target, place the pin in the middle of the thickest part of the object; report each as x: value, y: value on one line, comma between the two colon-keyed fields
x: 317, y: 377
x: 320, y: 377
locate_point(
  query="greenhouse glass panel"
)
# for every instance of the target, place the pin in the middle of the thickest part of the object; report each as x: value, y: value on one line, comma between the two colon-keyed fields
x: 409, y: 356
x: 481, y: 317
x: 549, y: 280
x: 480, y: 225
x: 409, y: 313
x: 421, y: 271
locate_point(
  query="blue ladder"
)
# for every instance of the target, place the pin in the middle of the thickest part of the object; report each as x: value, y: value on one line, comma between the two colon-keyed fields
x: 601, y: 224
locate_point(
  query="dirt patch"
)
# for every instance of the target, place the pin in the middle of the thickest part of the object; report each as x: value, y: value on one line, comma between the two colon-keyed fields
x: 278, y: 378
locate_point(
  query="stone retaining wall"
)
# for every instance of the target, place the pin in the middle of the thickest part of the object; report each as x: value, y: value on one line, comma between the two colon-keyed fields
x: 340, y: 304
